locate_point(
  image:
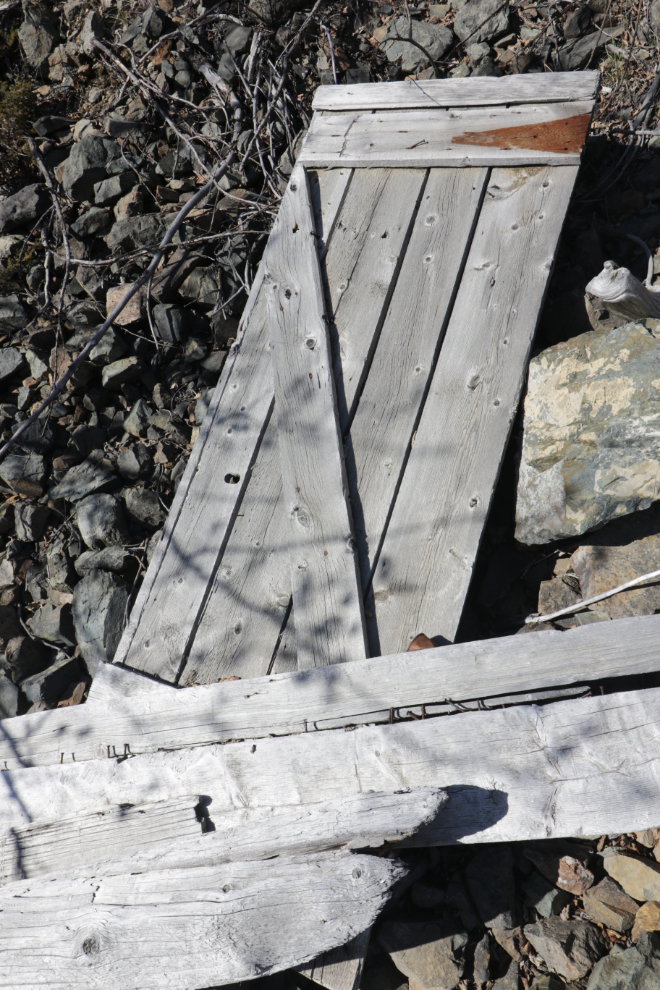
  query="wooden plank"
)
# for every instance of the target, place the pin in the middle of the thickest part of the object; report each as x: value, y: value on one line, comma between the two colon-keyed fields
x: 556, y: 87
x: 445, y: 495
x: 127, y: 718
x: 326, y: 587
x: 168, y: 835
x: 186, y: 929
x: 242, y: 618
x: 578, y: 767
x: 340, y: 968
x: 534, y: 134
x: 392, y: 398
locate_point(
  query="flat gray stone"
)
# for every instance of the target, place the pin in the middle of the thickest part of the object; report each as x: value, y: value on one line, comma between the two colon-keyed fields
x: 13, y: 314
x: 546, y: 899
x: 101, y: 521
x: 435, y: 38
x: 169, y: 321
x: 138, y: 232
x: 134, y: 462
x: 8, y: 697
x: 431, y: 953
x: 93, y: 221
x: 30, y: 521
x: 86, y: 165
x: 24, y: 207
x: 576, y: 54
x: 99, y: 612
x: 120, y: 372
x: 138, y: 420
x: 607, y: 904
x: 591, y: 441
x: 143, y: 506
x: 37, y: 35
x: 54, y: 624
x: 112, y: 558
x: 49, y: 684
x: 569, y: 948
x: 81, y: 480
x: 110, y: 348
x: 24, y: 473
x: 11, y: 361
x: 470, y: 20
x: 639, y: 877
x: 108, y: 191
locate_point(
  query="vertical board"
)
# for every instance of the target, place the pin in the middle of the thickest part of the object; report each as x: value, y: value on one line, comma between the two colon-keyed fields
x: 445, y: 495
x: 327, y: 595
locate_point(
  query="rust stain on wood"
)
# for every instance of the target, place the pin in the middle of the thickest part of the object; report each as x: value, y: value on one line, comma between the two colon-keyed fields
x: 560, y: 136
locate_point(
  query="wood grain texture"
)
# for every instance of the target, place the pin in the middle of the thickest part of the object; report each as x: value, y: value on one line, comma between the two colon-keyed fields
x: 129, y: 717
x: 167, y: 835
x: 417, y: 316
x: 445, y: 495
x: 557, y: 87
x: 566, y: 769
x: 327, y: 594
x: 340, y: 968
x: 186, y: 929
x: 242, y: 618
x: 528, y: 134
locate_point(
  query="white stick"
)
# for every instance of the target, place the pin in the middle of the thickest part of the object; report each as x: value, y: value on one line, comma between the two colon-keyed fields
x: 590, y: 601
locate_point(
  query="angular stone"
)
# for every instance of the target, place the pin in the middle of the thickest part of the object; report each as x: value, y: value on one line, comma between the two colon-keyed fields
x: 12, y: 361
x: 558, y: 593
x: 24, y: 473
x: 86, y: 166
x: 547, y: 982
x: 26, y: 656
x: 49, y: 684
x: 99, y: 613
x: 602, y: 567
x: 38, y: 438
x: 8, y: 697
x: 469, y: 21
x: 435, y: 38
x: 112, y: 558
x: 590, y: 443
x: 134, y: 462
x: 81, y: 480
x: 457, y: 896
x: 101, y: 521
x: 9, y: 625
x: 647, y: 919
x: 93, y: 221
x: 569, y: 948
x: 54, y: 624
x: 24, y: 207
x: 138, y: 420
x: 144, y: 508
x: 576, y: 54
x: 510, y: 979
x: 30, y: 521
x: 623, y: 970
x: 481, y: 971
x: 509, y: 939
x: 546, y: 899
x: 13, y: 314
x: 110, y: 348
x: 640, y: 878
x: 564, y: 871
x: 37, y: 35
x: 92, y: 30
x: 489, y: 878
x: 168, y: 319
x: 120, y: 372
x: 138, y: 232
x: 108, y: 191
x: 50, y: 123
x: 431, y: 953
x: 606, y: 904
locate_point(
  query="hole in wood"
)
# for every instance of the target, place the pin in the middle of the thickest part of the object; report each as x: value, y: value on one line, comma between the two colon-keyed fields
x: 287, y: 293
x: 232, y: 479
x: 431, y: 220
x: 91, y: 946
x: 311, y: 343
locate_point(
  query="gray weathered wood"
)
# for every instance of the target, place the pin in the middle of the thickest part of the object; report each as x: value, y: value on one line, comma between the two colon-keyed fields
x: 391, y: 400
x: 127, y: 718
x: 340, y: 968
x: 528, y: 134
x: 242, y: 618
x: 327, y: 594
x: 570, y: 768
x: 559, y: 87
x: 167, y: 834
x: 186, y: 929
x: 445, y: 495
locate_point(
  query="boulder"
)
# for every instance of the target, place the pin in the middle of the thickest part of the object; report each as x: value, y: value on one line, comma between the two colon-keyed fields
x: 606, y: 904
x: 101, y: 521
x: 144, y: 508
x: 430, y: 953
x: 86, y: 165
x: 640, y: 878
x: 591, y: 441
x: 12, y: 361
x: 481, y: 20
x: 30, y: 521
x: 435, y: 38
x: 99, y: 612
x: 120, y: 372
x: 37, y: 35
x: 54, y: 624
x: 13, y: 314
x: 576, y: 54
x: 24, y: 207
x: 93, y: 221
x: 138, y: 232
x: 569, y: 948
x: 25, y: 473
x: 82, y: 479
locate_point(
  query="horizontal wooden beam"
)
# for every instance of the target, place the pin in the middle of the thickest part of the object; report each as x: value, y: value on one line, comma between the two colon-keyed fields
x: 482, y: 91
x: 575, y: 767
x: 538, y: 134
x: 130, y: 714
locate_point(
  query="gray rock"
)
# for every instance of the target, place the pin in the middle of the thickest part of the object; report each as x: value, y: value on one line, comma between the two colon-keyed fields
x: 202, y: 286
x: 49, y: 124
x: 82, y: 480
x: 576, y: 54
x: 546, y: 899
x: 237, y: 39
x: 11, y: 362
x: 637, y: 968
x: 435, y: 38
x: 169, y: 322
x: 13, y: 314
x: 60, y: 572
x: 93, y: 221
x: 489, y: 878
x: 99, y: 612
x: 591, y: 442
x: 38, y: 36
x: 606, y: 904
x: 430, y: 953
x: 49, y: 684
x: 569, y: 948
x: 138, y: 420
x: 8, y: 697
x: 101, y: 521
x: 25, y: 656
x: 120, y: 372
x: 546, y: 982
x: 152, y: 543
x: 138, y: 232
x: 175, y: 163
x: 30, y: 521
x: 577, y: 22
x: 92, y: 30
x: 510, y: 979
x: 110, y: 348
x: 38, y: 438
x: 114, y: 559
x: 38, y: 367
x: 54, y: 624
x: 639, y: 877
x: 144, y: 508
x: 86, y: 166
x: 470, y: 19
x: 84, y: 315
x: 134, y: 462
x: 24, y: 207
x: 154, y: 22
x: 481, y: 972
x: 602, y: 564
x: 107, y: 192
x: 24, y: 473
x: 273, y: 12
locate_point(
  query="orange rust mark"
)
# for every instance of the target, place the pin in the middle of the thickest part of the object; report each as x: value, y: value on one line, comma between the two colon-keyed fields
x: 559, y: 136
